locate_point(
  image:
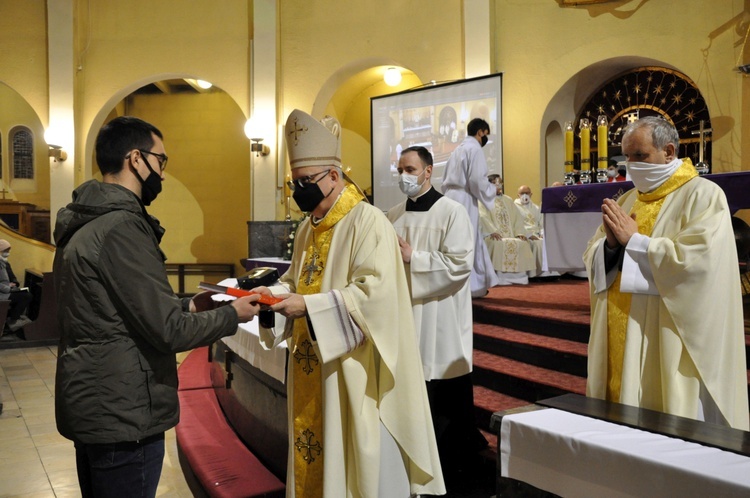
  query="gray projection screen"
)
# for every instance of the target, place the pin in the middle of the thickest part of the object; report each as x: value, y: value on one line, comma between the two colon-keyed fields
x: 434, y: 117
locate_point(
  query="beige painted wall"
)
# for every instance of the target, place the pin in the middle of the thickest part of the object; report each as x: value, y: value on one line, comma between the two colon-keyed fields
x: 23, y: 51
x: 542, y: 46
x: 125, y: 45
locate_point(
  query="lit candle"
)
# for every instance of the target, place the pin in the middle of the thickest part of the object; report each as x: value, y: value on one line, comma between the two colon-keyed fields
x: 287, y: 190
x: 568, y: 146
x: 585, y: 126
x: 602, y: 130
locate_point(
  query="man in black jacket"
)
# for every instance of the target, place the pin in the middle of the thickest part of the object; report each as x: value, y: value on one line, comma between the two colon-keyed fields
x: 120, y: 322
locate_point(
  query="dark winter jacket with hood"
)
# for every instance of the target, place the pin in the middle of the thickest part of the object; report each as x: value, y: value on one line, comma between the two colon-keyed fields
x: 120, y: 322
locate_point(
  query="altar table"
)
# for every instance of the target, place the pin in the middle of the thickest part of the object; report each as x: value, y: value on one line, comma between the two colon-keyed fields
x: 571, y: 454
x: 572, y: 213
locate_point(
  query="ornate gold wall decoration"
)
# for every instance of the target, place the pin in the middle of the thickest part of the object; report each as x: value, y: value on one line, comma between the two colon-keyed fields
x: 650, y: 91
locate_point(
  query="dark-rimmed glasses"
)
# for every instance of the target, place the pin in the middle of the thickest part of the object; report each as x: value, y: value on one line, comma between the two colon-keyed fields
x: 162, y: 158
x: 304, y: 181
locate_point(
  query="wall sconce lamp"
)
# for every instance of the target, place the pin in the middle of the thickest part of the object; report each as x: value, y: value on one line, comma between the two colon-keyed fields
x: 259, y: 148
x: 57, y: 152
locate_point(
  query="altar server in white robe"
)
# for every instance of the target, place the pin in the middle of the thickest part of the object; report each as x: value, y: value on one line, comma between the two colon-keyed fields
x: 465, y: 181
x: 667, y: 328
x: 437, y: 247
x: 504, y: 234
x: 359, y: 417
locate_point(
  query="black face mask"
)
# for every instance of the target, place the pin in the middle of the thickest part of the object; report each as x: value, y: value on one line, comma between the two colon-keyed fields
x: 309, y: 197
x: 150, y: 187
x: 485, y: 140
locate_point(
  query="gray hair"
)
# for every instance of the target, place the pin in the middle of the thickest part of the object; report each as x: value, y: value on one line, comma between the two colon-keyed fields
x: 662, y: 131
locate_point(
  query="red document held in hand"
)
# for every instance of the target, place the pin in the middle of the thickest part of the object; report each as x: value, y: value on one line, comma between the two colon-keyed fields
x: 267, y: 300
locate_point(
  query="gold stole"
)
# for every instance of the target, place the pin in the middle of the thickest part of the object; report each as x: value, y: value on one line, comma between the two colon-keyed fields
x: 307, y: 407
x: 646, y: 209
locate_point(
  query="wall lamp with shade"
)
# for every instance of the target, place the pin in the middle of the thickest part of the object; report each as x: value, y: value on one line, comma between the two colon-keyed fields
x: 392, y: 76
x: 53, y: 136
x: 256, y: 145
x: 57, y: 152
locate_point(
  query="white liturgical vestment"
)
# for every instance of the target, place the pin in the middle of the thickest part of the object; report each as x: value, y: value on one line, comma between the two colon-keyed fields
x: 534, y: 223
x: 509, y: 254
x: 684, y: 350
x: 465, y: 181
x: 373, y: 387
x: 442, y: 257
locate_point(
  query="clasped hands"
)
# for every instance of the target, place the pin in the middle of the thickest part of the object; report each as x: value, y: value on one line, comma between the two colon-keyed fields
x: 619, y: 226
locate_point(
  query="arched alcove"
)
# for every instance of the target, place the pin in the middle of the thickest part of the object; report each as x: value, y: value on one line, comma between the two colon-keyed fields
x: 570, y: 99
x: 206, y: 195
x: 346, y: 96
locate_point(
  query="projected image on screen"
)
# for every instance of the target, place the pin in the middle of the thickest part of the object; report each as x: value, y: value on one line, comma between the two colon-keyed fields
x: 436, y: 118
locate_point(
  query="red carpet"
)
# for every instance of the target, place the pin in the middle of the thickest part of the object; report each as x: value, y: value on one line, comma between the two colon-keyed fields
x: 565, y: 300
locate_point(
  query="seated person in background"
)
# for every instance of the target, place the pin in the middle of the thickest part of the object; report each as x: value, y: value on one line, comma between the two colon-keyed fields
x: 505, y: 235
x: 532, y: 220
x: 534, y: 223
x: 10, y: 290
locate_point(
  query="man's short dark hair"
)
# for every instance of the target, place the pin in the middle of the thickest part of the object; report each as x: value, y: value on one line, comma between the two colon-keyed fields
x: 120, y: 136
x: 476, y: 125
x: 422, y: 152
x: 493, y: 177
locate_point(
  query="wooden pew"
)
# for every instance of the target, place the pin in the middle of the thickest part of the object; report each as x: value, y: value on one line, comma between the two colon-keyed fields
x: 4, y: 306
x: 44, y: 328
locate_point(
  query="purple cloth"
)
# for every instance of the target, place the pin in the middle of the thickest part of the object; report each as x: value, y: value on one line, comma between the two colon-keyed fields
x: 588, y: 198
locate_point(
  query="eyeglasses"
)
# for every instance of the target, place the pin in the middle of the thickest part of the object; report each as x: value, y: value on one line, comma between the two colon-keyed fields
x: 162, y: 158
x: 304, y: 181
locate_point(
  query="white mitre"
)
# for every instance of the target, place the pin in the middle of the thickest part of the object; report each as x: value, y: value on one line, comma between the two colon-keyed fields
x: 311, y: 142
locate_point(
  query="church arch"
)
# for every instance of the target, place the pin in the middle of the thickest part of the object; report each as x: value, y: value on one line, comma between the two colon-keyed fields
x: 571, y: 98
x: 209, y: 164
x: 346, y: 96
x: 650, y: 91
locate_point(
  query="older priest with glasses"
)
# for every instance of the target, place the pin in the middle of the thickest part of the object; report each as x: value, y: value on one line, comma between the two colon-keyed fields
x: 359, y: 419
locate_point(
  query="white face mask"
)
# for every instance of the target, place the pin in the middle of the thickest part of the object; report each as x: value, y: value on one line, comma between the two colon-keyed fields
x: 408, y: 184
x: 525, y: 198
x: 647, y: 176
x: 611, y: 172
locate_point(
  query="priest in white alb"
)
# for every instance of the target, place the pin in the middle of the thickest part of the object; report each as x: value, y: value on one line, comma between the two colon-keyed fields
x: 667, y: 328
x: 504, y: 234
x: 359, y: 417
x: 437, y: 247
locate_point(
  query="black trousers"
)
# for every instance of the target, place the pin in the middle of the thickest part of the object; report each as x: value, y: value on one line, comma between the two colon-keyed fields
x: 452, y: 407
x: 19, y: 302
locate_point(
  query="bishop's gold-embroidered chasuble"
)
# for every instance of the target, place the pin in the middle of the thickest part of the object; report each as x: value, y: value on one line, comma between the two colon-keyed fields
x: 509, y: 254
x: 667, y: 331
x: 371, y: 384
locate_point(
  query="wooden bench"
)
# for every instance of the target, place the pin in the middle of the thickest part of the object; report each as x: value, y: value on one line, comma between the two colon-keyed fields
x: 44, y: 327
x: 223, y: 466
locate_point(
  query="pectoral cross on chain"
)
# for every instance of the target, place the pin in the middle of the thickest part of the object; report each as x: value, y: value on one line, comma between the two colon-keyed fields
x: 311, y: 268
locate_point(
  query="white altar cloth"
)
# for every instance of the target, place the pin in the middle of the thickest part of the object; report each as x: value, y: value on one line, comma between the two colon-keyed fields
x: 573, y: 455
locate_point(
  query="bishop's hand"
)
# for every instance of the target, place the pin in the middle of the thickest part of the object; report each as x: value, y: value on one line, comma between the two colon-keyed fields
x: 293, y: 306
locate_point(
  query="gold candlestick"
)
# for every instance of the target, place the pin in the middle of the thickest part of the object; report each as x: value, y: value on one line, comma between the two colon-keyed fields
x: 568, y: 153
